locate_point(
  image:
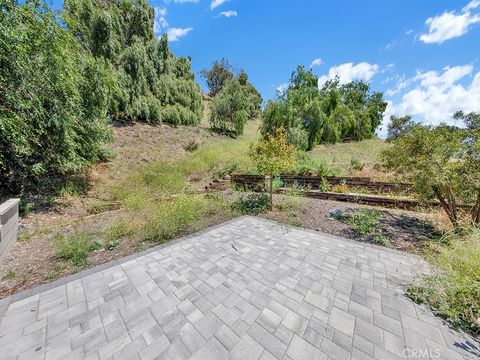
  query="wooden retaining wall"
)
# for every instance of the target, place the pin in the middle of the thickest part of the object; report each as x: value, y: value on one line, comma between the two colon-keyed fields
x: 257, y: 181
x: 8, y: 226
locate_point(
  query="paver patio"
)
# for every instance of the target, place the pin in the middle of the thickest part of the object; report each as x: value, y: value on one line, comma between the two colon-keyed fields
x: 247, y: 289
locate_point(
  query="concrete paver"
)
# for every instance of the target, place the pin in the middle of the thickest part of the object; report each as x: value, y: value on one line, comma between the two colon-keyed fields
x: 247, y: 289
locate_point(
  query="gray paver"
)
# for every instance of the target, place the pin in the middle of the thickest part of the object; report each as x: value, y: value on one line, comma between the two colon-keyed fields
x: 284, y: 293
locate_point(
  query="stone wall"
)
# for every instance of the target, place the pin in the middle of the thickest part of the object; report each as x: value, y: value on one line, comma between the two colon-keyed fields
x: 8, y: 226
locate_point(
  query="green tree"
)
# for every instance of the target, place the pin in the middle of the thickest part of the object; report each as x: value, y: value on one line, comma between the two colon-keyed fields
x: 151, y: 83
x: 398, y: 126
x: 273, y: 155
x: 443, y: 163
x: 254, y: 99
x: 217, y: 76
x: 330, y: 114
x: 53, y: 98
x: 229, y: 110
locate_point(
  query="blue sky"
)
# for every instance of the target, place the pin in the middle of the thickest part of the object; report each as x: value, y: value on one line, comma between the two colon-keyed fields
x: 422, y: 53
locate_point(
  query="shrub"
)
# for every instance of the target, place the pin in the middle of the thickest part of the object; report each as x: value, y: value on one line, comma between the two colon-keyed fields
x: 252, y: 204
x: 229, y: 110
x: 192, y: 145
x: 298, y: 137
x: 53, y: 113
x: 453, y: 289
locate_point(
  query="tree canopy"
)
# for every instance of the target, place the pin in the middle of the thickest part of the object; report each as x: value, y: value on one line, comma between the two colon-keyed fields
x: 53, y: 98
x: 442, y: 162
x: 151, y: 83
x: 335, y: 112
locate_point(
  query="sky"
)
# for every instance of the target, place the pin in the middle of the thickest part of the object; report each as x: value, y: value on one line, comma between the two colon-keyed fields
x: 423, y: 54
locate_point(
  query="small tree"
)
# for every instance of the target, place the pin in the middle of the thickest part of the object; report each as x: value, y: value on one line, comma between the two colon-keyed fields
x: 229, y: 110
x: 442, y: 162
x: 273, y: 155
x: 398, y: 126
x: 217, y: 77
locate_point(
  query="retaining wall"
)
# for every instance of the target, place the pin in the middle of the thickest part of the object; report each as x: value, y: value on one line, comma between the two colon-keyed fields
x: 8, y: 226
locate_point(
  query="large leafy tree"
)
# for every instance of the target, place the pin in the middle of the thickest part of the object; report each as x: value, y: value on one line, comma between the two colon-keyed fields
x: 53, y: 98
x: 442, y: 162
x: 330, y: 114
x: 151, y: 83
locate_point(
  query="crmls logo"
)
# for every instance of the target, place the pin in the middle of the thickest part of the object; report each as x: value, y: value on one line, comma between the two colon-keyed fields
x: 422, y: 353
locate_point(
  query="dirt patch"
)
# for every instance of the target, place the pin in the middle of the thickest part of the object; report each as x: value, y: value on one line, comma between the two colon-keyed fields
x: 405, y: 230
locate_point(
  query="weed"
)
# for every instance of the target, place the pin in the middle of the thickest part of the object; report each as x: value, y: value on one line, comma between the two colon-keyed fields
x: 364, y: 221
x: 75, y: 248
x: 100, y: 206
x: 297, y: 223
x: 357, y: 164
x: 192, y: 145
x: 9, y: 274
x: 138, y: 247
x: 119, y: 230
x: 112, y: 244
x: 252, y: 204
x: 381, y: 239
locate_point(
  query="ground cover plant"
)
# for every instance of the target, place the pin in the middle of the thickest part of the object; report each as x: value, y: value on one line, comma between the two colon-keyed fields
x: 453, y: 287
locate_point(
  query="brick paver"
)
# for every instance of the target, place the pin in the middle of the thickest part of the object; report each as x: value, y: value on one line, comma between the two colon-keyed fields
x: 248, y: 289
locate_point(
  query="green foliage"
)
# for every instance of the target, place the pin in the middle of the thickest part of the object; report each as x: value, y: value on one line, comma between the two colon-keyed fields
x: 229, y: 110
x: 75, y: 248
x: 364, y: 221
x: 54, y: 98
x: 398, y: 126
x: 442, y: 162
x: 453, y: 289
x: 298, y: 137
x: 217, y: 76
x: 333, y: 113
x: 252, y: 204
x: 357, y: 164
x: 119, y: 230
x: 149, y: 82
x: 9, y: 274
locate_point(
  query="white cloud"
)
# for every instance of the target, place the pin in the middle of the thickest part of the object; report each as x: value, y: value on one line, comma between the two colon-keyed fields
x: 450, y: 24
x: 316, y: 62
x: 175, y: 34
x: 228, y: 13
x: 160, y: 21
x: 216, y: 3
x: 349, y: 72
x: 436, y: 96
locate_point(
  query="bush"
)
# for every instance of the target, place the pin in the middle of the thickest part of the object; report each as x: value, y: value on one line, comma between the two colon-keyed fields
x: 453, y: 289
x: 252, y: 204
x: 229, y: 110
x: 53, y: 113
x: 298, y: 137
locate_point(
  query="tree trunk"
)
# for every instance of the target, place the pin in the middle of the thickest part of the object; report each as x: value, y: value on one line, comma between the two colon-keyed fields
x: 447, y: 206
x: 271, y: 191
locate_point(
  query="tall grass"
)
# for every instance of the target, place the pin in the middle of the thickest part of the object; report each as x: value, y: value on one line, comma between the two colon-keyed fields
x: 453, y: 289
